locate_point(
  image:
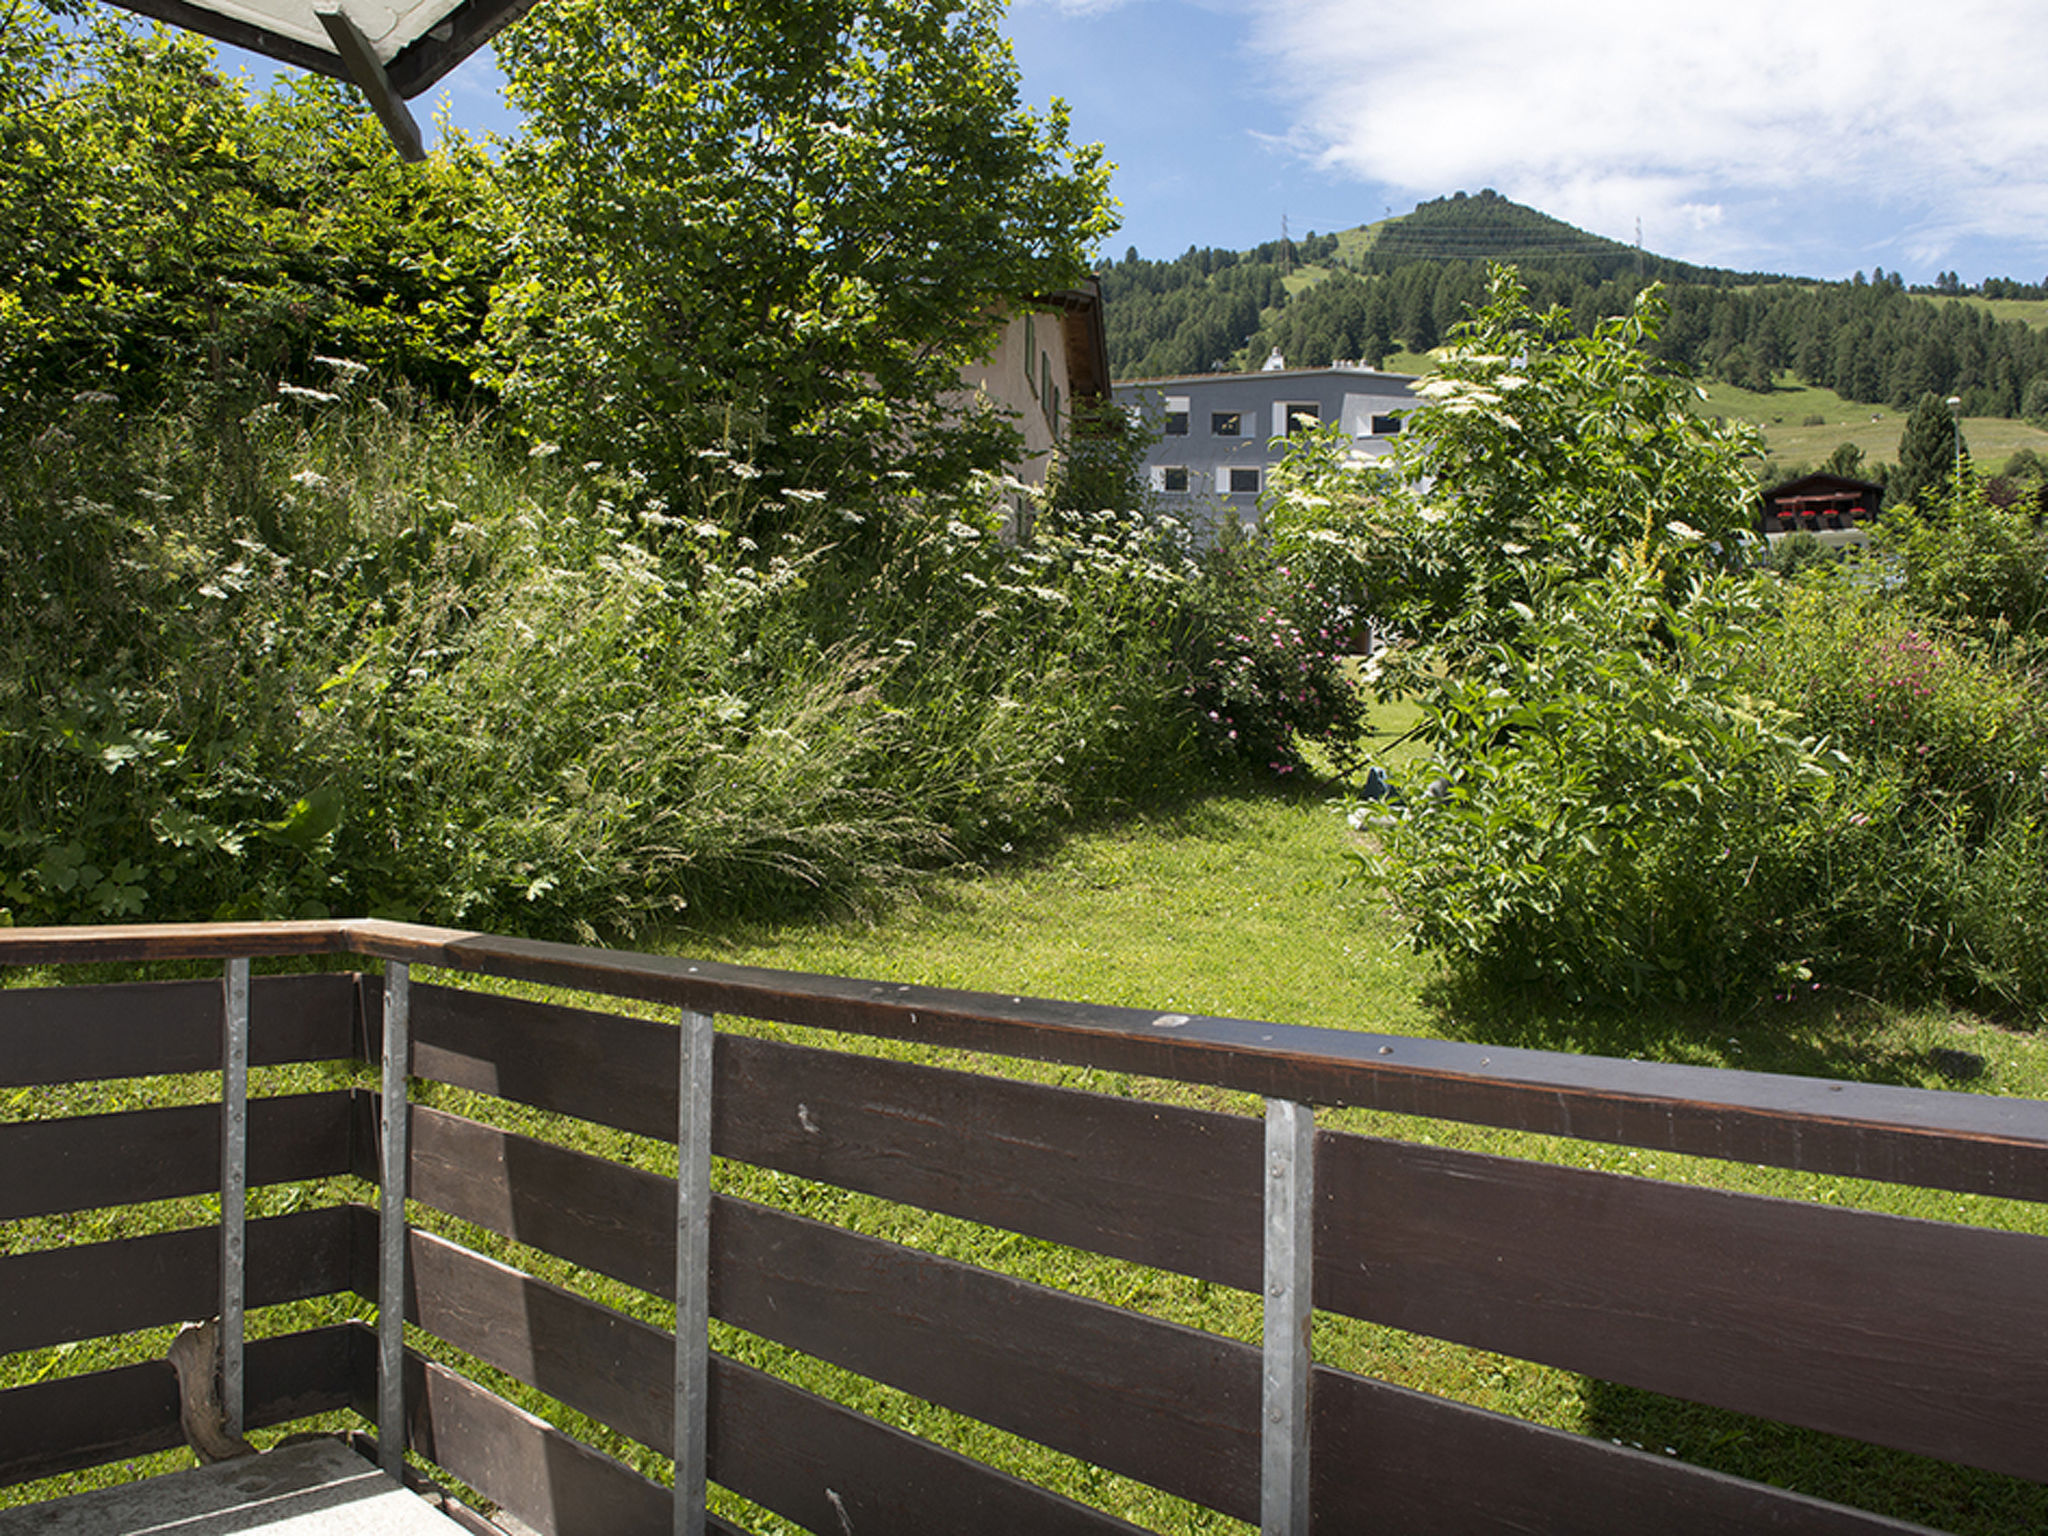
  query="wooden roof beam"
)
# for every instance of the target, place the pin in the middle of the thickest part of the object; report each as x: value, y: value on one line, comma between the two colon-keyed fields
x: 370, y: 79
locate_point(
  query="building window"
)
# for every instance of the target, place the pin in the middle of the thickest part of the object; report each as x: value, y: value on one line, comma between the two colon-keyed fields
x: 1030, y: 346
x: 1244, y: 481
x: 1045, y: 379
x: 1300, y: 416
x: 1176, y: 416
x: 1174, y: 478
x: 1225, y: 424
x: 1386, y: 426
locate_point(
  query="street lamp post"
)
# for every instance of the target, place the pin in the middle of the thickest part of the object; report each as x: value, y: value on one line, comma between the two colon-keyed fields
x: 1955, y: 428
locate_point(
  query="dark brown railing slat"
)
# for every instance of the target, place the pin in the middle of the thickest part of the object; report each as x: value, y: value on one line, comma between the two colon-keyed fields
x: 1105, y: 1174
x: 784, y: 1448
x: 1171, y: 1406
x: 90, y: 1161
x: 75, y: 1422
x: 93, y: 1290
x: 557, y: 1485
x: 603, y: 1067
x: 601, y: 1362
x: 1940, y: 1140
x: 150, y: 1028
x: 1388, y: 1459
x: 1920, y: 1335
x: 1167, y: 1405
x: 830, y: 1469
x: 597, y: 1214
x: 140, y: 943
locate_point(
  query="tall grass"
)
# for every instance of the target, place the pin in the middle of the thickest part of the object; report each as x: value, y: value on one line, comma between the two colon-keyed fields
x: 351, y: 651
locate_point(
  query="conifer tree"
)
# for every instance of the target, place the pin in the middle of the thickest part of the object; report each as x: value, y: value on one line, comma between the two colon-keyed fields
x: 1929, y: 450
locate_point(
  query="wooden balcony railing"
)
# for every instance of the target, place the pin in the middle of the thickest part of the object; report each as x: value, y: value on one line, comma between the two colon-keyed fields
x: 1930, y: 1337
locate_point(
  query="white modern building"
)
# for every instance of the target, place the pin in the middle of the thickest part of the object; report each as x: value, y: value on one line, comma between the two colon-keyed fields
x: 1216, y: 436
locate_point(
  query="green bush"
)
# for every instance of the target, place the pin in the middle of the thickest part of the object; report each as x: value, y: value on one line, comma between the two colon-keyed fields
x: 1973, y: 564
x: 1942, y: 882
x: 1652, y: 779
x: 1616, y: 817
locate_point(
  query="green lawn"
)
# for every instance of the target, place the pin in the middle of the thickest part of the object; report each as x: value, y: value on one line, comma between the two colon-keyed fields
x: 2033, y: 312
x: 1793, y: 435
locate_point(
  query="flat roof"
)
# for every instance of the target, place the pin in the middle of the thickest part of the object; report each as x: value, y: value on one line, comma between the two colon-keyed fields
x: 1342, y: 370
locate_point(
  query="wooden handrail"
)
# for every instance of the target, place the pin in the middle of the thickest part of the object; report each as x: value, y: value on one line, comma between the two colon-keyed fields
x: 1936, y: 1139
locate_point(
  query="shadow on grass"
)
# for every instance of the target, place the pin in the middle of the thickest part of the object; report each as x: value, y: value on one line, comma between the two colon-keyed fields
x: 1886, y: 1482
x: 1202, y: 810
x: 1809, y: 1036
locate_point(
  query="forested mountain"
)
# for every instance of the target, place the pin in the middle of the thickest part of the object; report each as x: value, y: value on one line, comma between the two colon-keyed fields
x: 1402, y: 283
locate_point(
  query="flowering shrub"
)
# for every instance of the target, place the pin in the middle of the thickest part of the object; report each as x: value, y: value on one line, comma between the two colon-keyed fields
x: 1973, y: 565
x: 1264, y: 661
x: 1661, y: 780
x: 366, y: 656
x: 1616, y: 821
x: 1942, y: 879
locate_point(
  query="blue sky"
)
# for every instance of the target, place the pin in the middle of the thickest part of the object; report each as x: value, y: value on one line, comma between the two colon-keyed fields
x: 1818, y: 138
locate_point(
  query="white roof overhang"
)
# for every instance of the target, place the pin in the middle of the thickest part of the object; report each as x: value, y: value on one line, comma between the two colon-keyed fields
x: 392, y: 49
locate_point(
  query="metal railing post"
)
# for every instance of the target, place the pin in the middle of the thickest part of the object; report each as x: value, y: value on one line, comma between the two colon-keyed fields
x: 1289, y: 1309
x: 693, y: 1268
x: 234, y: 1186
x: 391, y: 1227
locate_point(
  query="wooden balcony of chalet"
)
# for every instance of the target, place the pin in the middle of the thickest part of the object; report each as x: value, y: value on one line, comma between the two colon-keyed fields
x: 1927, y: 1336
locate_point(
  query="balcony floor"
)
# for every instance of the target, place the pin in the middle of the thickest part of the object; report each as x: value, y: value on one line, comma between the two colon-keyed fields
x: 317, y: 1488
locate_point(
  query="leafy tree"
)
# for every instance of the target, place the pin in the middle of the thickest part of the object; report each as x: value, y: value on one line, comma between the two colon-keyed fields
x: 778, y: 228
x: 1537, y: 457
x: 1101, y: 466
x: 1929, y: 450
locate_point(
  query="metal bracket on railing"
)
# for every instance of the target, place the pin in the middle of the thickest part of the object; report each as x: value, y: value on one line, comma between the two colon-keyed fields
x: 391, y: 1229
x: 234, y: 1186
x: 693, y: 1268
x: 1289, y: 1307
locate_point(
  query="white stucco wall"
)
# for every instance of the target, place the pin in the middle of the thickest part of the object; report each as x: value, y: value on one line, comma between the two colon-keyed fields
x: 1030, y: 353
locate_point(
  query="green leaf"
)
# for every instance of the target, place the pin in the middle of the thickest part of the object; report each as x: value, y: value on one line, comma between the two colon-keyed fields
x: 310, y: 820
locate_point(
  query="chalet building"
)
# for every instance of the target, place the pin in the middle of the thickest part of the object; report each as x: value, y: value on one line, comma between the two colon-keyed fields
x: 1053, y: 351
x: 1833, y: 508
x: 1218, y: 435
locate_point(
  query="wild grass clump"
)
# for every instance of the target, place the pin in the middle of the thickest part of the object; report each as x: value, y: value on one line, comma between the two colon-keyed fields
x: 355, y: 652
x: 1938, y: 879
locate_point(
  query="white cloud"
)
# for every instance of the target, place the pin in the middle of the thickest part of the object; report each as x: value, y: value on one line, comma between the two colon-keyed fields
x: 1721, y: 127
